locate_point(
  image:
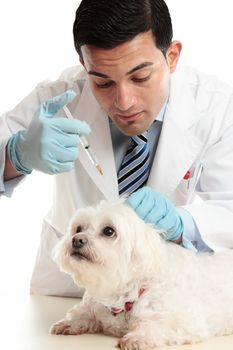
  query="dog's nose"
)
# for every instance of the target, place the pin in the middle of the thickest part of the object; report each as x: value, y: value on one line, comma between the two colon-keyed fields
x: 79, y: 241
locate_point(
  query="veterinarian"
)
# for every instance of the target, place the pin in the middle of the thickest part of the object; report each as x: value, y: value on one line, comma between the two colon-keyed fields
x: 127, y: 85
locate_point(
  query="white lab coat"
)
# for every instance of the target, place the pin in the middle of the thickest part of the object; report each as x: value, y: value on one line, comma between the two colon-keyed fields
x: 197, y: 136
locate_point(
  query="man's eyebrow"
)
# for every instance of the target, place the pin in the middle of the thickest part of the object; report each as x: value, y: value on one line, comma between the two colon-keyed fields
x: 98, y: 74
x: 140, y: 66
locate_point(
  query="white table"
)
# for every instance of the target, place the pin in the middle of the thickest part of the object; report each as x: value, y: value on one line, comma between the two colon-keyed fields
x: 25, y: 322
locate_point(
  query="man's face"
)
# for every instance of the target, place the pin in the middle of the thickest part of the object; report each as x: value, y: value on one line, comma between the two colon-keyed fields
x: 131, y: 81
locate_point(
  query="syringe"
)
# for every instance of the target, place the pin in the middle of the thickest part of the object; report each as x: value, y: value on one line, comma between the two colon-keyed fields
x: 85, y: 144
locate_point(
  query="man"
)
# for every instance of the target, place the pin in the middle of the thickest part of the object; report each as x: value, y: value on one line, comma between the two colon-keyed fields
x: 131, y: 101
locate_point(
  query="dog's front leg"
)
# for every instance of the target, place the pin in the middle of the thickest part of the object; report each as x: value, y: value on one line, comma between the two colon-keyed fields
x: 141, y: 336
x: 78, y: 320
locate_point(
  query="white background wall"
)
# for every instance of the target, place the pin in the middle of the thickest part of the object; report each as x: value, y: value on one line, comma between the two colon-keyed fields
x: 36, y: 44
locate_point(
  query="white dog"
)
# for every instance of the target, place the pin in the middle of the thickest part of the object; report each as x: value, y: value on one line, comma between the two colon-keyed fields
x: 139, y: 288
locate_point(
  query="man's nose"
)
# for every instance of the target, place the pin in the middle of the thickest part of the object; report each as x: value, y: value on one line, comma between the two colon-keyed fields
x: 79, y: 241
x: 125, y: 97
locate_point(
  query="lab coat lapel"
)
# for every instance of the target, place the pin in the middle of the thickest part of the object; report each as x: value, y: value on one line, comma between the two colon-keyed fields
x: 89, y: 110
x: 178, y: 146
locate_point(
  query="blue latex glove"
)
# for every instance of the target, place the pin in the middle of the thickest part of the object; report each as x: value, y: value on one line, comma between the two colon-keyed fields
x: 50, y: 143
x: 155, y: 208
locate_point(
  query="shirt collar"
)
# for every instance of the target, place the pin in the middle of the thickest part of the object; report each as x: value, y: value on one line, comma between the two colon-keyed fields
x: 161, y: 114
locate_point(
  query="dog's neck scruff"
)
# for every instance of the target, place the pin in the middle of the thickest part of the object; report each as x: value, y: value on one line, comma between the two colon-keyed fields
x: 106, y: 252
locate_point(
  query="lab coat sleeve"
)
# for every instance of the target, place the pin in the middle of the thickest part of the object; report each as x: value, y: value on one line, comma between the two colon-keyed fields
x: 11, y: 122
x: 20, y: 117
x: 191, y: 238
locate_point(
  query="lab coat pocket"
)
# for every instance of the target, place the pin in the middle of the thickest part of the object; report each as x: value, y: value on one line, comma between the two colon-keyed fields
x: 189, y: 182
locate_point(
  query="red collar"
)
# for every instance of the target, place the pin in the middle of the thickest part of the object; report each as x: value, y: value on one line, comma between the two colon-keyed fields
x: 128, y: 305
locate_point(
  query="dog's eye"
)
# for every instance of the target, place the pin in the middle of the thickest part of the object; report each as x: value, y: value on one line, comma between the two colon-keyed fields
x: 78, y: 229
x: 108, y: 231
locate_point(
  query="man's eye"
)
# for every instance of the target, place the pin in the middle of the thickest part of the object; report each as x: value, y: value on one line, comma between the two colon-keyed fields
x: 105, y: 85
x: 141, y: 80
x: 108, y: 231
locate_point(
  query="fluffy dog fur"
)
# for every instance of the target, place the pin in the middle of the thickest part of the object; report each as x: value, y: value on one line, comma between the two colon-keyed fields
x: 175, y: 296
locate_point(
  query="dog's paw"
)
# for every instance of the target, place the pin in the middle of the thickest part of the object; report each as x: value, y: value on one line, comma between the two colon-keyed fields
x: 132, y: 343
x: 67, y: 327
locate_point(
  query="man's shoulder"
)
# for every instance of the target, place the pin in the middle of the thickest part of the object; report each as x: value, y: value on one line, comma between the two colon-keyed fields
x: 186, y: 76
x: 201, y: 94
x: 71, y: 78
x: 73, y: 73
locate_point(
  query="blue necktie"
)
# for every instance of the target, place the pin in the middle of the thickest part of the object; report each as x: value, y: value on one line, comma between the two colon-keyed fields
x: 134, y: 170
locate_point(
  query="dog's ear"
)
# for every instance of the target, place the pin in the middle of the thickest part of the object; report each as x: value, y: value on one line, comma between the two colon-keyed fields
x: 148, y: 250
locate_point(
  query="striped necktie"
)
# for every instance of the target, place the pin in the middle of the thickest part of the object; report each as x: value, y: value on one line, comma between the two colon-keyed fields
x: 134, y: 170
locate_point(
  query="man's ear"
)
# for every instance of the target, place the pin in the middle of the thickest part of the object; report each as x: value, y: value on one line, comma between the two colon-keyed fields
x: 173, y: 55
x: 82, y: 63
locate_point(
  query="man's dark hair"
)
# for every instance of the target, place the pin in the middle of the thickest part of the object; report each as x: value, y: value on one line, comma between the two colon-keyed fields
x: 109, y: 23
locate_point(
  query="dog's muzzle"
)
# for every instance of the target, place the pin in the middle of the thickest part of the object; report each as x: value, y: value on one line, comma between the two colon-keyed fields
x: 79, y: 241
x: 79, y: 247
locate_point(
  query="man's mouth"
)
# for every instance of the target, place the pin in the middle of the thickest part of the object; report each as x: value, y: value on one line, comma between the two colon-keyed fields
x: 129, y: 117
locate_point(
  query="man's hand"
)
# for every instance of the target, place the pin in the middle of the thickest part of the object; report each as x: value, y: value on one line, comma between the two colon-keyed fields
x: 50, y: 143
x: 156, y: 209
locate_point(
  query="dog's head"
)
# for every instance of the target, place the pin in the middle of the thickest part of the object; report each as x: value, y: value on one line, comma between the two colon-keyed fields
x: 108, y: 247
